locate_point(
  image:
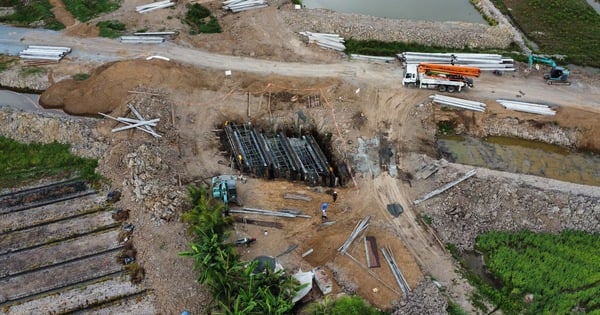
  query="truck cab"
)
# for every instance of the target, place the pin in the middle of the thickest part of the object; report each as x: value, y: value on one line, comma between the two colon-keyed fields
x: 410, y: 75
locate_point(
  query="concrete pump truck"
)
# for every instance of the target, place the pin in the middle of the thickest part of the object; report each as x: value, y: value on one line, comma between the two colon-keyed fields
x: 443, y: 77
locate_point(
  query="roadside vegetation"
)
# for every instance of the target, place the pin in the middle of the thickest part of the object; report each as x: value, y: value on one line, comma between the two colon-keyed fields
x: 570, y: 28
x: 201, y: 20
x: 23, y: 163
x: 85, y: 10
x: 539, y: 273
x: 37, y: 13
x: 111, y: 28
x: 31, y: 71
x: 6, y: 62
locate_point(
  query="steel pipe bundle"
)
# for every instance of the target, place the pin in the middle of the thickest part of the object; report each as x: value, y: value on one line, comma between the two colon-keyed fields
x: 52, y: 53
x: 389, y: 258
x: 153, y: 6
x: 141, y: 39
x: 361, y: 226
x: 458, y: 102
x: 532, y: 108
x: 331, y: 41
x: 486, y: 62
x: 243, y: 5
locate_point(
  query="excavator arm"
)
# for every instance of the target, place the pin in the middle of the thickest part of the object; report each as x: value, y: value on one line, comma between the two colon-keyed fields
x: 541, y: 59
x: 431, y: 68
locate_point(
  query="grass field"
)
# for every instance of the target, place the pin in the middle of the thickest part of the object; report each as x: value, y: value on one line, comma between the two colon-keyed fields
x: 558, y: 27
x: 560, y: 273
x: 31, y: 13
x: 22, y: 163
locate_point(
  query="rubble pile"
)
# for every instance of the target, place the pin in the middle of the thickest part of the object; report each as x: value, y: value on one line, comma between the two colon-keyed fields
x: 480, y: 205
x: 153, y: 183
x: 46, y: 127
x: 426, y: 298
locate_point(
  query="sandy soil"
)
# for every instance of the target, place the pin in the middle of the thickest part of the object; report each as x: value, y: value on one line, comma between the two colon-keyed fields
x: 203, y: 99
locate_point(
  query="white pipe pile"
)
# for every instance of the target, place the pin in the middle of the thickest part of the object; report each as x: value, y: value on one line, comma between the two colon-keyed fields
x: 331, y: 41
x: 170, y: 33
x: 486, y: 62
x: 458, y: 102
x: 52, y: 53
x: 531, y: 108
x: 141, y: 39
x: 389, y: 258
x: 372, y: 58
x: 361, y: 226
x: 243, y: 5
x: 154, y: 6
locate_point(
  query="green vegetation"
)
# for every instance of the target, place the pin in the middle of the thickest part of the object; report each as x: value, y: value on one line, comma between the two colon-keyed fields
x: 81, y: 76
x: 6, y: 62
x: 570, y: 28
x: 346, y: 305
x: 561, y: 272
x: 34, y: 13
x: 22, y: 163
x: 447, y: 127
x: 390, y: 49
x: 236, y: 290
x: 111, y: 29
x: 30, y: 71
x: 201, y: 20
x: 297, y: 2
x: 85, y: 10
x: 455, y: 309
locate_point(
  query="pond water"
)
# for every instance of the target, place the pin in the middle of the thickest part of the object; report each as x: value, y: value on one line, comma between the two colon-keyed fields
x: 522, y: 156
x: 595, y: 4
x: 429, y: 10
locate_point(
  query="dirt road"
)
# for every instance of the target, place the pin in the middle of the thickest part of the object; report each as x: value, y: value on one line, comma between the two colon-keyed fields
x: 511, y: 86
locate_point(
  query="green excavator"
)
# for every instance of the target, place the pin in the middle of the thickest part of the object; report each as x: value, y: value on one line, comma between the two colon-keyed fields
x: 557, y: 75
x: 223, y: 188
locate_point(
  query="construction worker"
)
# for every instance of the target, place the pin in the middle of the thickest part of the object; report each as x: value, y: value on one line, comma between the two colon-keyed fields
x: 334, y: 195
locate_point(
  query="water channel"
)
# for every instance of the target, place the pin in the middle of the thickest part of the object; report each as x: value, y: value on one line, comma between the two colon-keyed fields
x: 522, y: 156
x: 429, y: 10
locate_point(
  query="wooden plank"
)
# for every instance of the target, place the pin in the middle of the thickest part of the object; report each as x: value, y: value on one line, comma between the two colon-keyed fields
x: 297, y: 196
x: 371, y: 251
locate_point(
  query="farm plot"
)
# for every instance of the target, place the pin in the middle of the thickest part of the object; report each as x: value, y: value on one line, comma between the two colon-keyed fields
x: 60, y: 252
x: 121, y: 296
x: 56, y: 231
x: 20, y: 262
x: 43, y: 195
x: 18, y: 220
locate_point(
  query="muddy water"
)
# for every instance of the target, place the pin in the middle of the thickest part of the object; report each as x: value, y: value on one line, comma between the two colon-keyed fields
x: 522, y: 156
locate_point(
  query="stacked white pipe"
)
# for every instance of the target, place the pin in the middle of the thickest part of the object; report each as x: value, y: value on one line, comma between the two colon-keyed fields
x: 531, y: 108
x: 154, y: 6
x: 458, y: 102
x: 331, y: 41
x: 141, y: 39
x: 52, y: 53
x: 243, y: 5
x: 486, y: 62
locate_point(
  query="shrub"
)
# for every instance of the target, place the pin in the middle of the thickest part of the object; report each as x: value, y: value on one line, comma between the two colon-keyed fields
x: 201, y: 20
x: 81, y: 76
x: 32, y: 13
x: 111, y: 28
x: 85, y: 10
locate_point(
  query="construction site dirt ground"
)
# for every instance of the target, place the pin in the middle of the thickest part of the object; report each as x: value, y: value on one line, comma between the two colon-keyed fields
x: 201, y: 100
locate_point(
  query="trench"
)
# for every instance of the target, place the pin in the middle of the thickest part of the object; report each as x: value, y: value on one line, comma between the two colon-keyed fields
x: 522, y: 156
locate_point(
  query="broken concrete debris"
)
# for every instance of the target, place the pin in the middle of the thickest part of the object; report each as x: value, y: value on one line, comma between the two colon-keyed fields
x: 445, y: 187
